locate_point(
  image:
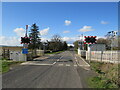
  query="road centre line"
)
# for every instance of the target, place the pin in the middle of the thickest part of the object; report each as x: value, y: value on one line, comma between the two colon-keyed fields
x: 57, y: 60
x: 54, y: 63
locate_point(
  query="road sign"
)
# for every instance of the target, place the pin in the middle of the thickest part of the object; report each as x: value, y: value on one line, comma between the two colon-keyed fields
x: 25, y: 40
x: 25, y: 45
x: 90, y: 40
x: 24, y: 51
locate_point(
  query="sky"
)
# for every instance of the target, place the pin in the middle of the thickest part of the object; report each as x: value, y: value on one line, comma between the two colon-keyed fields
x: 68, y: 19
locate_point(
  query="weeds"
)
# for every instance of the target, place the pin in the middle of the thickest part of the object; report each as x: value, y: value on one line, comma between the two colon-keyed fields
x: 106, y: 78
x: 6, y: 65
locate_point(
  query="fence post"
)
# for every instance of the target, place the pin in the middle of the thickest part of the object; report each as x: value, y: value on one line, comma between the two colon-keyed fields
x: 101, y: 55
x: 8, y: 54
x: 3, y: 53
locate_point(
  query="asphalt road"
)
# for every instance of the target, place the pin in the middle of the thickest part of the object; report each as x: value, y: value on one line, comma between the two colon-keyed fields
x: 58, y: 71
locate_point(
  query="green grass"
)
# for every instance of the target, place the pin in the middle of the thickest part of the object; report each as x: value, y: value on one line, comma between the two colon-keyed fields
x: 5, y: 65
x: 96, y: 66
x: 106, y: 78
x: 99, y: 82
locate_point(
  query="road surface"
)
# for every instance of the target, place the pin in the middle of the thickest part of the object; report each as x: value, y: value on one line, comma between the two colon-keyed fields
x: 57, y: 71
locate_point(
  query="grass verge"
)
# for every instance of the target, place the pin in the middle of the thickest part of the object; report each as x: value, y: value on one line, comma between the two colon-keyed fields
x: 107, y: 76
x: 6, y: 64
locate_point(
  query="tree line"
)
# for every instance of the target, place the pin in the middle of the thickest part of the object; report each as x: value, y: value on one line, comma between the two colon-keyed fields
x: 115, y: 43
x: 55, y: 44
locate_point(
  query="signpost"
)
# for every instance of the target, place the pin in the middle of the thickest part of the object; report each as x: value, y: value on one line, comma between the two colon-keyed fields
x: 25, y: 41
x: 24, y: 51
x: 89, y: 40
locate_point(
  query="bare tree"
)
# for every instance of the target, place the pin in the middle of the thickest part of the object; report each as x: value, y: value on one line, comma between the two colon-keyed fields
x: 56, y: 38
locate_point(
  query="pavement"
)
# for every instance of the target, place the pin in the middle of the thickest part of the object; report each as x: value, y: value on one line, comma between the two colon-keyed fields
x: 64, y: 70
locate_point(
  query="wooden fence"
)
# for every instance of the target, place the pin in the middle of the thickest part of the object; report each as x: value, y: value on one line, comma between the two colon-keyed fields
x: 103, y: 56
x: 5, y: 53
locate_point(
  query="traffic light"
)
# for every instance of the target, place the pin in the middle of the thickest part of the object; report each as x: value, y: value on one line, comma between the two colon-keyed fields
x: 90, y: 40
x: 25, y: 40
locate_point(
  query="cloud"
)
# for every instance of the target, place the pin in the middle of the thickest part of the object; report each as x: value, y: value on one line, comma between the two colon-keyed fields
x: 44, y: 39
x: 29, y: 25
x: 100, y: 37
x: 10, y: 41
x: 20, y: 31
x: 44, y: 31
x: 70, y: 40
x: 70, y: 44
x: 86, y: 29
x: 104, y: 22
x: 67, y: 22
x: 66, y: 31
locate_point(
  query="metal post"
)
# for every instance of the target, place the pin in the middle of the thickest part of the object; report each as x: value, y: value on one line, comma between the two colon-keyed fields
x: 25, y: 45
x: 26, y: 30
x: 89, y: 51
x: 82, y: 42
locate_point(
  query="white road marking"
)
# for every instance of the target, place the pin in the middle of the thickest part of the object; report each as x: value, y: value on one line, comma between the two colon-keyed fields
x: 43, y: 64
x: 35, y: 64
x: 59, y: 58
x: 60, y: 64
x: 84, y: 65
x: 87, y: 68
x: 67, y: 64
x: 75, y: 65
x: 54, y: 63
x: 25, y: 63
